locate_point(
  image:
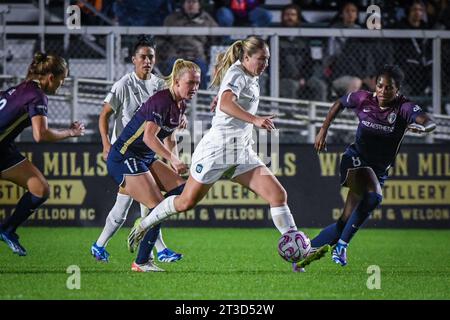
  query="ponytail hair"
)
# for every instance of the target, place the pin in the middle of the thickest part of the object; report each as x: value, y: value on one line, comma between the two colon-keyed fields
x: 236, y: 52
x: 44, y: 64
x: 224, y: 61
x: 179, y: 68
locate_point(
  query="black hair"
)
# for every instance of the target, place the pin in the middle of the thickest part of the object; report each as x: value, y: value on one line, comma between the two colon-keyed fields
x: 394, y: 72
x: 144, y: 41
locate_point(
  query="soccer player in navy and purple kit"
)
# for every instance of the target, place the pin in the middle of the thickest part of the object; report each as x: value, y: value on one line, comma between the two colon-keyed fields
x: 384, y: 117
x: 22, y: 106
x: 131, y: 157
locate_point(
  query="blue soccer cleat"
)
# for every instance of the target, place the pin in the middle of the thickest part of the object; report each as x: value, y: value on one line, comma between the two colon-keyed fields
x: 12, y: 240
x: 339, y: 255
x: 99, y: 253
x: 168, y: 255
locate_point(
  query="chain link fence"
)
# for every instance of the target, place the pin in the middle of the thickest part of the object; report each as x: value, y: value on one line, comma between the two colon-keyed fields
x: 311, y: 68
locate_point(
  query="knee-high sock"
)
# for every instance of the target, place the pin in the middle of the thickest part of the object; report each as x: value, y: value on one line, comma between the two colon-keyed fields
x: 115, y: 219
x: 161, y: 212
x: 283, y: 219
x: 329, y: 235
x: 147, y: 244
x: 25, y: 207
x: 369, y: 202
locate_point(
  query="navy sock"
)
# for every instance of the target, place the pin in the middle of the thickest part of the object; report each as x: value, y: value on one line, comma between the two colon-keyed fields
x: 176, y: 191
x: 369, y: 202
x: 147, y: 244
x: 329, y: 235
x: 25, y: 207
x: 150, y: 237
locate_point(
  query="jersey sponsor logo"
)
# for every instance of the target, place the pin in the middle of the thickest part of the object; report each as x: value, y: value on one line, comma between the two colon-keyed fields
x: 199, y: 168
x: 377, y: 126
x: 392, y: 117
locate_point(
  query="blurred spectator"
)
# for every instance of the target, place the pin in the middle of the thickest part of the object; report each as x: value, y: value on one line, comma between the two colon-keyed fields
x: 141, y: 13
x: 360, y: 58
x: 297, y: 66
x: 242, y: 13
x: 414, y: 55
x: 438, y: 14
x: 193, y: 48
x: 346, y: 18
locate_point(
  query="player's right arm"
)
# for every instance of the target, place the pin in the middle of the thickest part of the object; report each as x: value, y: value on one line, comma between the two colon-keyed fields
x: 320, y: 141
x: 41, y: 131
x: 103, y: 126
x: 152, y: 141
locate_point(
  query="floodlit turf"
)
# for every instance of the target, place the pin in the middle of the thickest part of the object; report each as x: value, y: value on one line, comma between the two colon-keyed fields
x: 227, y: 264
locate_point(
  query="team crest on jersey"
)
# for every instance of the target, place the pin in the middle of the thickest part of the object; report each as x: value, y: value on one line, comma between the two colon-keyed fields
x: 199, y: 168
x: 392, y: 117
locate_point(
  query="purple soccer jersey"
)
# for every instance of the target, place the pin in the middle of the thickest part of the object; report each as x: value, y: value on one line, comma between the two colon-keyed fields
x: 380, y: 131
x: 161, y: 109
x: 17, y: 106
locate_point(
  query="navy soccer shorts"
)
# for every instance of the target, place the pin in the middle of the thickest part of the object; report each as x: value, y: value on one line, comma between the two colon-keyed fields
x: 120, y: 165
x: 10, y: 156
x: 352, y: 160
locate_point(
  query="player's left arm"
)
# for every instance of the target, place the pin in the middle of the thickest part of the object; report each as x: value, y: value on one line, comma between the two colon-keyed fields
x: 422, y: 122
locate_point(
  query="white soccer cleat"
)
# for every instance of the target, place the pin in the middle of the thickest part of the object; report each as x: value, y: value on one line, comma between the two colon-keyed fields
x: 146, y: 267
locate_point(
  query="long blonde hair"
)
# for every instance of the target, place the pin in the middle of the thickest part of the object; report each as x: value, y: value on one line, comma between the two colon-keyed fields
x: 44, y: 64
x: 179, y: 68
x: 236, y: 52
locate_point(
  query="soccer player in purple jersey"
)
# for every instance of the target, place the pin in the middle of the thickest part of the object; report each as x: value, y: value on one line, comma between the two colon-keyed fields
x: 22, y: 106
x: 131, y: 159
x: 384, y: 117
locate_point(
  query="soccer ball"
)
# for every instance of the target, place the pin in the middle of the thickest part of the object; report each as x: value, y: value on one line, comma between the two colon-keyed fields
x: 294, y: 246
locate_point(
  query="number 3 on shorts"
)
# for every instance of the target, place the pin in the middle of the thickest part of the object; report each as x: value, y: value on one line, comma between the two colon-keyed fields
x: 131, y: 164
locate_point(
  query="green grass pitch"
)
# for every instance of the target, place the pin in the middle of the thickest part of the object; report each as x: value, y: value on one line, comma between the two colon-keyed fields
x: 227, y: 264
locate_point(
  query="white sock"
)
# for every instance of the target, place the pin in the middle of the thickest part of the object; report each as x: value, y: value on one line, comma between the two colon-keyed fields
x: 283, y: 219
x: 159, y: 244
x: 161, y: 212
x: 144, y: 210
x: 115, y: 219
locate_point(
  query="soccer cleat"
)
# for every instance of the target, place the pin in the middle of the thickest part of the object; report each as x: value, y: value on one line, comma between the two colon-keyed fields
x: 99, y: 253
x: 314, y: 254
x: 339, y: 255
x: 146, y: 267
x: 12, y: 240
x: 295, y: 268
x: 136, y: 235
x: 168, y: 255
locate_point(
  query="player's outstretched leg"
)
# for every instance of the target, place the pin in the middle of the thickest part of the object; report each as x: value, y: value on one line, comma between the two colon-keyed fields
x: 314, y: 255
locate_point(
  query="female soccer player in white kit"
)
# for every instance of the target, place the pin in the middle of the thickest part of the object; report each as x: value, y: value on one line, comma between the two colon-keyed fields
x: 226, y: 148
x: 125, y: 98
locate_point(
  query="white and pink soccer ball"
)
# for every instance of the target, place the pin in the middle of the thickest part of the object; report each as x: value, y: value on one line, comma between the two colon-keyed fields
x: 294, y: 246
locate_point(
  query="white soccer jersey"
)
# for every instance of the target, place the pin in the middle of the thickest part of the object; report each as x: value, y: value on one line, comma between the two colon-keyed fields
x: 127, y: 95
x: 246, y: 89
